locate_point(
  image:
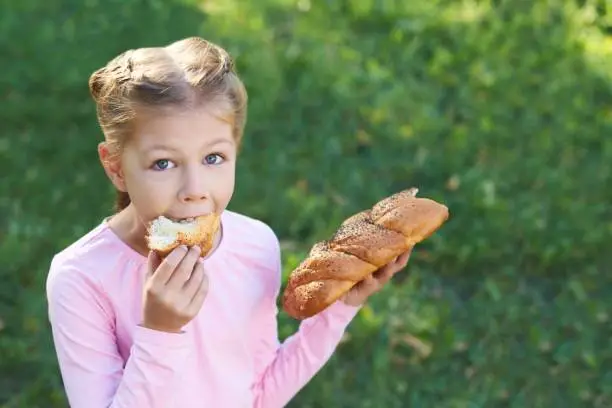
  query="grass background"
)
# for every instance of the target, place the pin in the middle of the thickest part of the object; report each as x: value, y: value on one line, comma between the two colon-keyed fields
x: 500, y: 109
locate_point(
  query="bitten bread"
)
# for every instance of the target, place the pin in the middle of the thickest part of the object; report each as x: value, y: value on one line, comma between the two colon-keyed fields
x: 363, y: 243
x: 164, y: 234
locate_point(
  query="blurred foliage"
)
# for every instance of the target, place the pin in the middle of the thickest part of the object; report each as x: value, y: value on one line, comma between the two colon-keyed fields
x: 501, y: 109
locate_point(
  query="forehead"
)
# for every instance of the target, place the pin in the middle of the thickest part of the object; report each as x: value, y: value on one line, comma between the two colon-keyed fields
x: 185, y: 128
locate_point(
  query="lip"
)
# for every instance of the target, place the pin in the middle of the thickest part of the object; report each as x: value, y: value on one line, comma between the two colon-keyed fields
x: 186, y: 218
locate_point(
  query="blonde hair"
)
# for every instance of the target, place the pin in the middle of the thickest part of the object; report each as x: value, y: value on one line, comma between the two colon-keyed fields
x: 185, y: 74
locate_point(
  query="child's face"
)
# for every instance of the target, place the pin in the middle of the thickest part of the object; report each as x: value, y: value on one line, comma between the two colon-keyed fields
x: 179, y: 165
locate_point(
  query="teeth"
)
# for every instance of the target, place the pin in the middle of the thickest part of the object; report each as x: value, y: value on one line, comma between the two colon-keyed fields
x: 182, y: 220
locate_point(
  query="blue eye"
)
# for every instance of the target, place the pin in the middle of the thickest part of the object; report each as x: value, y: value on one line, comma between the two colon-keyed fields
x: 162, y: 164
x: 213, y: 159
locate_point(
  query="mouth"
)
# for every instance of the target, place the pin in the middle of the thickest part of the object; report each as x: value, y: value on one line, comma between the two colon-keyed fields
x: 185, y: 220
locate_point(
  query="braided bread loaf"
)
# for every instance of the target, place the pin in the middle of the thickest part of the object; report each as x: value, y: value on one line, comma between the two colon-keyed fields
x: 364, y: 242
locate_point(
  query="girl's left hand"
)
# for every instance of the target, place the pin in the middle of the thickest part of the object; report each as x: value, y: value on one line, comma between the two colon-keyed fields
x: 373, y: 283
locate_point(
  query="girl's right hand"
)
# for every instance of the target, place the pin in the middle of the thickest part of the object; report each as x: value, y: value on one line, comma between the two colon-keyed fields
x: 174, y: 289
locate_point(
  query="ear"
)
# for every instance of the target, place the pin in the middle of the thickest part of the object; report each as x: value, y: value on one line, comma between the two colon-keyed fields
x: 112, y: 166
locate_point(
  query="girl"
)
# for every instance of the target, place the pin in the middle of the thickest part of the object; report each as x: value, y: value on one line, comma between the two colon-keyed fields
x: 132, y: 331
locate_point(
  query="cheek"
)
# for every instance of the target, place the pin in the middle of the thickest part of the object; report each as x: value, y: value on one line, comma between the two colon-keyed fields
x: 218, y: 182
x: 151, y: 193
x: 228, y: 177
x: 223, y: 185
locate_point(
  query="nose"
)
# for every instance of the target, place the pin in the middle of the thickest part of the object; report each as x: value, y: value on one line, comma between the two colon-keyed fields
x: 194, y: 185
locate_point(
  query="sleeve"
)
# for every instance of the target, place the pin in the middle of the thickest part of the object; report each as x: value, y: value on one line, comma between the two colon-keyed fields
x: 93, y: 372
x: 282, y: 370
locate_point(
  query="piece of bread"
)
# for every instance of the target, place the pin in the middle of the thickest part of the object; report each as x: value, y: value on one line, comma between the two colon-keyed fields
x: 164, y: 234
x: 363, y: 243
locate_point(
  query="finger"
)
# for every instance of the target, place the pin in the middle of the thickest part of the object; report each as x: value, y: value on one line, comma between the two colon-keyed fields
x: 385, y: 273
x: 203, y: 288
x: 182, y: 272
x: 162, y: 274
x: 369, y: 285
x: 153, y: 262
x: 383, y: 270
x: 198, y: 298
x: 195, y: 281
x: 402, y: 260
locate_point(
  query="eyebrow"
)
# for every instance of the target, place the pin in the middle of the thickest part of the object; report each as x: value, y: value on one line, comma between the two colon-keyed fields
x: 166, y: 147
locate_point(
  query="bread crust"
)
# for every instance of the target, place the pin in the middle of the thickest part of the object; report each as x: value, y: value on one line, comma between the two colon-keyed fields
x: 206, y: 229
x: 362, y: 244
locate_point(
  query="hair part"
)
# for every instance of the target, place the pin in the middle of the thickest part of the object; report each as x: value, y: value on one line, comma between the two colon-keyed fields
x: 186, y: 74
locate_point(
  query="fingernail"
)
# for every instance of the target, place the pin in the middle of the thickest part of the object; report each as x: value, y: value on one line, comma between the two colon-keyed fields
x: 196, y: 248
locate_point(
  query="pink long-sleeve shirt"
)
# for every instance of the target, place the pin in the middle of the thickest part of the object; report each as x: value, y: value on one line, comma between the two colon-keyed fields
x: 228, y: 356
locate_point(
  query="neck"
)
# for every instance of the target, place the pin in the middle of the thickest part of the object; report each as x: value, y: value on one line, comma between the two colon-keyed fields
x: 130, y: 229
